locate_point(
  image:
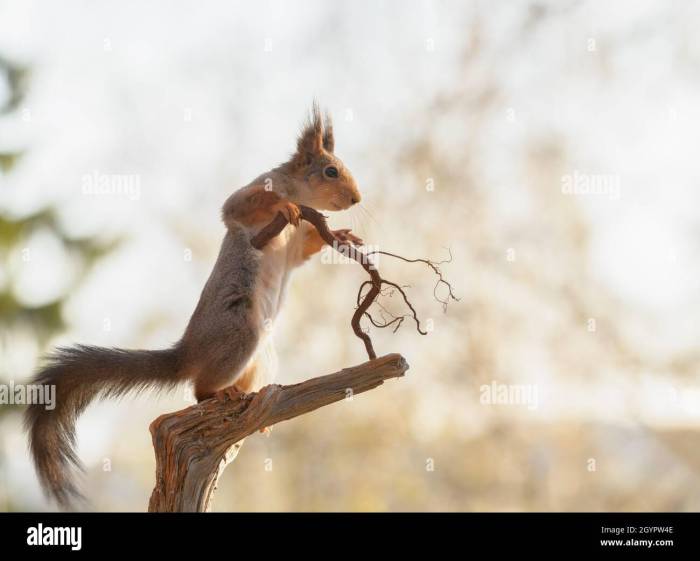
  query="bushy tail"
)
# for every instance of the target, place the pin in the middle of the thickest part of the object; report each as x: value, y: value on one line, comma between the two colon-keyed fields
x: 79, y: 375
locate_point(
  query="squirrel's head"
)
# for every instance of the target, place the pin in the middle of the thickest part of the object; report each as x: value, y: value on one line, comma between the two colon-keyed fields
x: 321, y: 180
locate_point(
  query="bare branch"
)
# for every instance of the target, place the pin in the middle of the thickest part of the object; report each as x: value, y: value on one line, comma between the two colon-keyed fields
x: 435, y: 266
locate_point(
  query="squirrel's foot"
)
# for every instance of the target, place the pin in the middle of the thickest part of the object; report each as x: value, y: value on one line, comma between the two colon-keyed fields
x: 346, y: 236
x: 228, y: 393
x: 290, y: 211
x: 267, y: 431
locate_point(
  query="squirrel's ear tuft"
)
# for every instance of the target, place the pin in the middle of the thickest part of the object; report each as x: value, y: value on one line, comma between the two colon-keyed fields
x: 328, y: 139
x: 310, y: 140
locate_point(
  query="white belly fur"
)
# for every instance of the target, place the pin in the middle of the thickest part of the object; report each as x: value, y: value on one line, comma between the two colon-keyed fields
x: 280, y: 256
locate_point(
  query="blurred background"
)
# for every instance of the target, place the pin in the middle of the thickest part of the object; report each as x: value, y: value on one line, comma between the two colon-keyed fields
x: 550, y: 146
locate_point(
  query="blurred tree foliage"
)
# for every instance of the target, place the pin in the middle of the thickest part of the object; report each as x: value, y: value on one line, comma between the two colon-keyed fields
x: 44, y: 321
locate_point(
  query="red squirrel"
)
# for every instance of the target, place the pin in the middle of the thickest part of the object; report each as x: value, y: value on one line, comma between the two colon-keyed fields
x: 227, y: 344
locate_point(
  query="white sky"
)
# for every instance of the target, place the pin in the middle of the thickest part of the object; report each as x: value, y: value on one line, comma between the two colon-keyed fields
x: 198, y: 101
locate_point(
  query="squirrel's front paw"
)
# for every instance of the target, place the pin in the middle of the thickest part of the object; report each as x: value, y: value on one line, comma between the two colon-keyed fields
x: 290, y: 211
x: 346, y: 236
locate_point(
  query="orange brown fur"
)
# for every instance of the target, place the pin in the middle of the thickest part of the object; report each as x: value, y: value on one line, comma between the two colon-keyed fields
x: 313, y: 242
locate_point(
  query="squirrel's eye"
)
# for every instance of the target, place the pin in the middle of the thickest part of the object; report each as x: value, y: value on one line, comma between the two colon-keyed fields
x: 331, y: 171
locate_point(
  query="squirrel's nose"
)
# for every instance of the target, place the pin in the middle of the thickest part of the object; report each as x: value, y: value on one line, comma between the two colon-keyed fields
x: 354, y: 200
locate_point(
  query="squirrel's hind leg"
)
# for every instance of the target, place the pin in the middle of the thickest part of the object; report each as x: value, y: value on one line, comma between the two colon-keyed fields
x: 208, y: 387
x: 243, y: 384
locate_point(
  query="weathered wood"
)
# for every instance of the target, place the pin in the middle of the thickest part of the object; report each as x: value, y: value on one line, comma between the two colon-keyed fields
x: 194, y: 445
